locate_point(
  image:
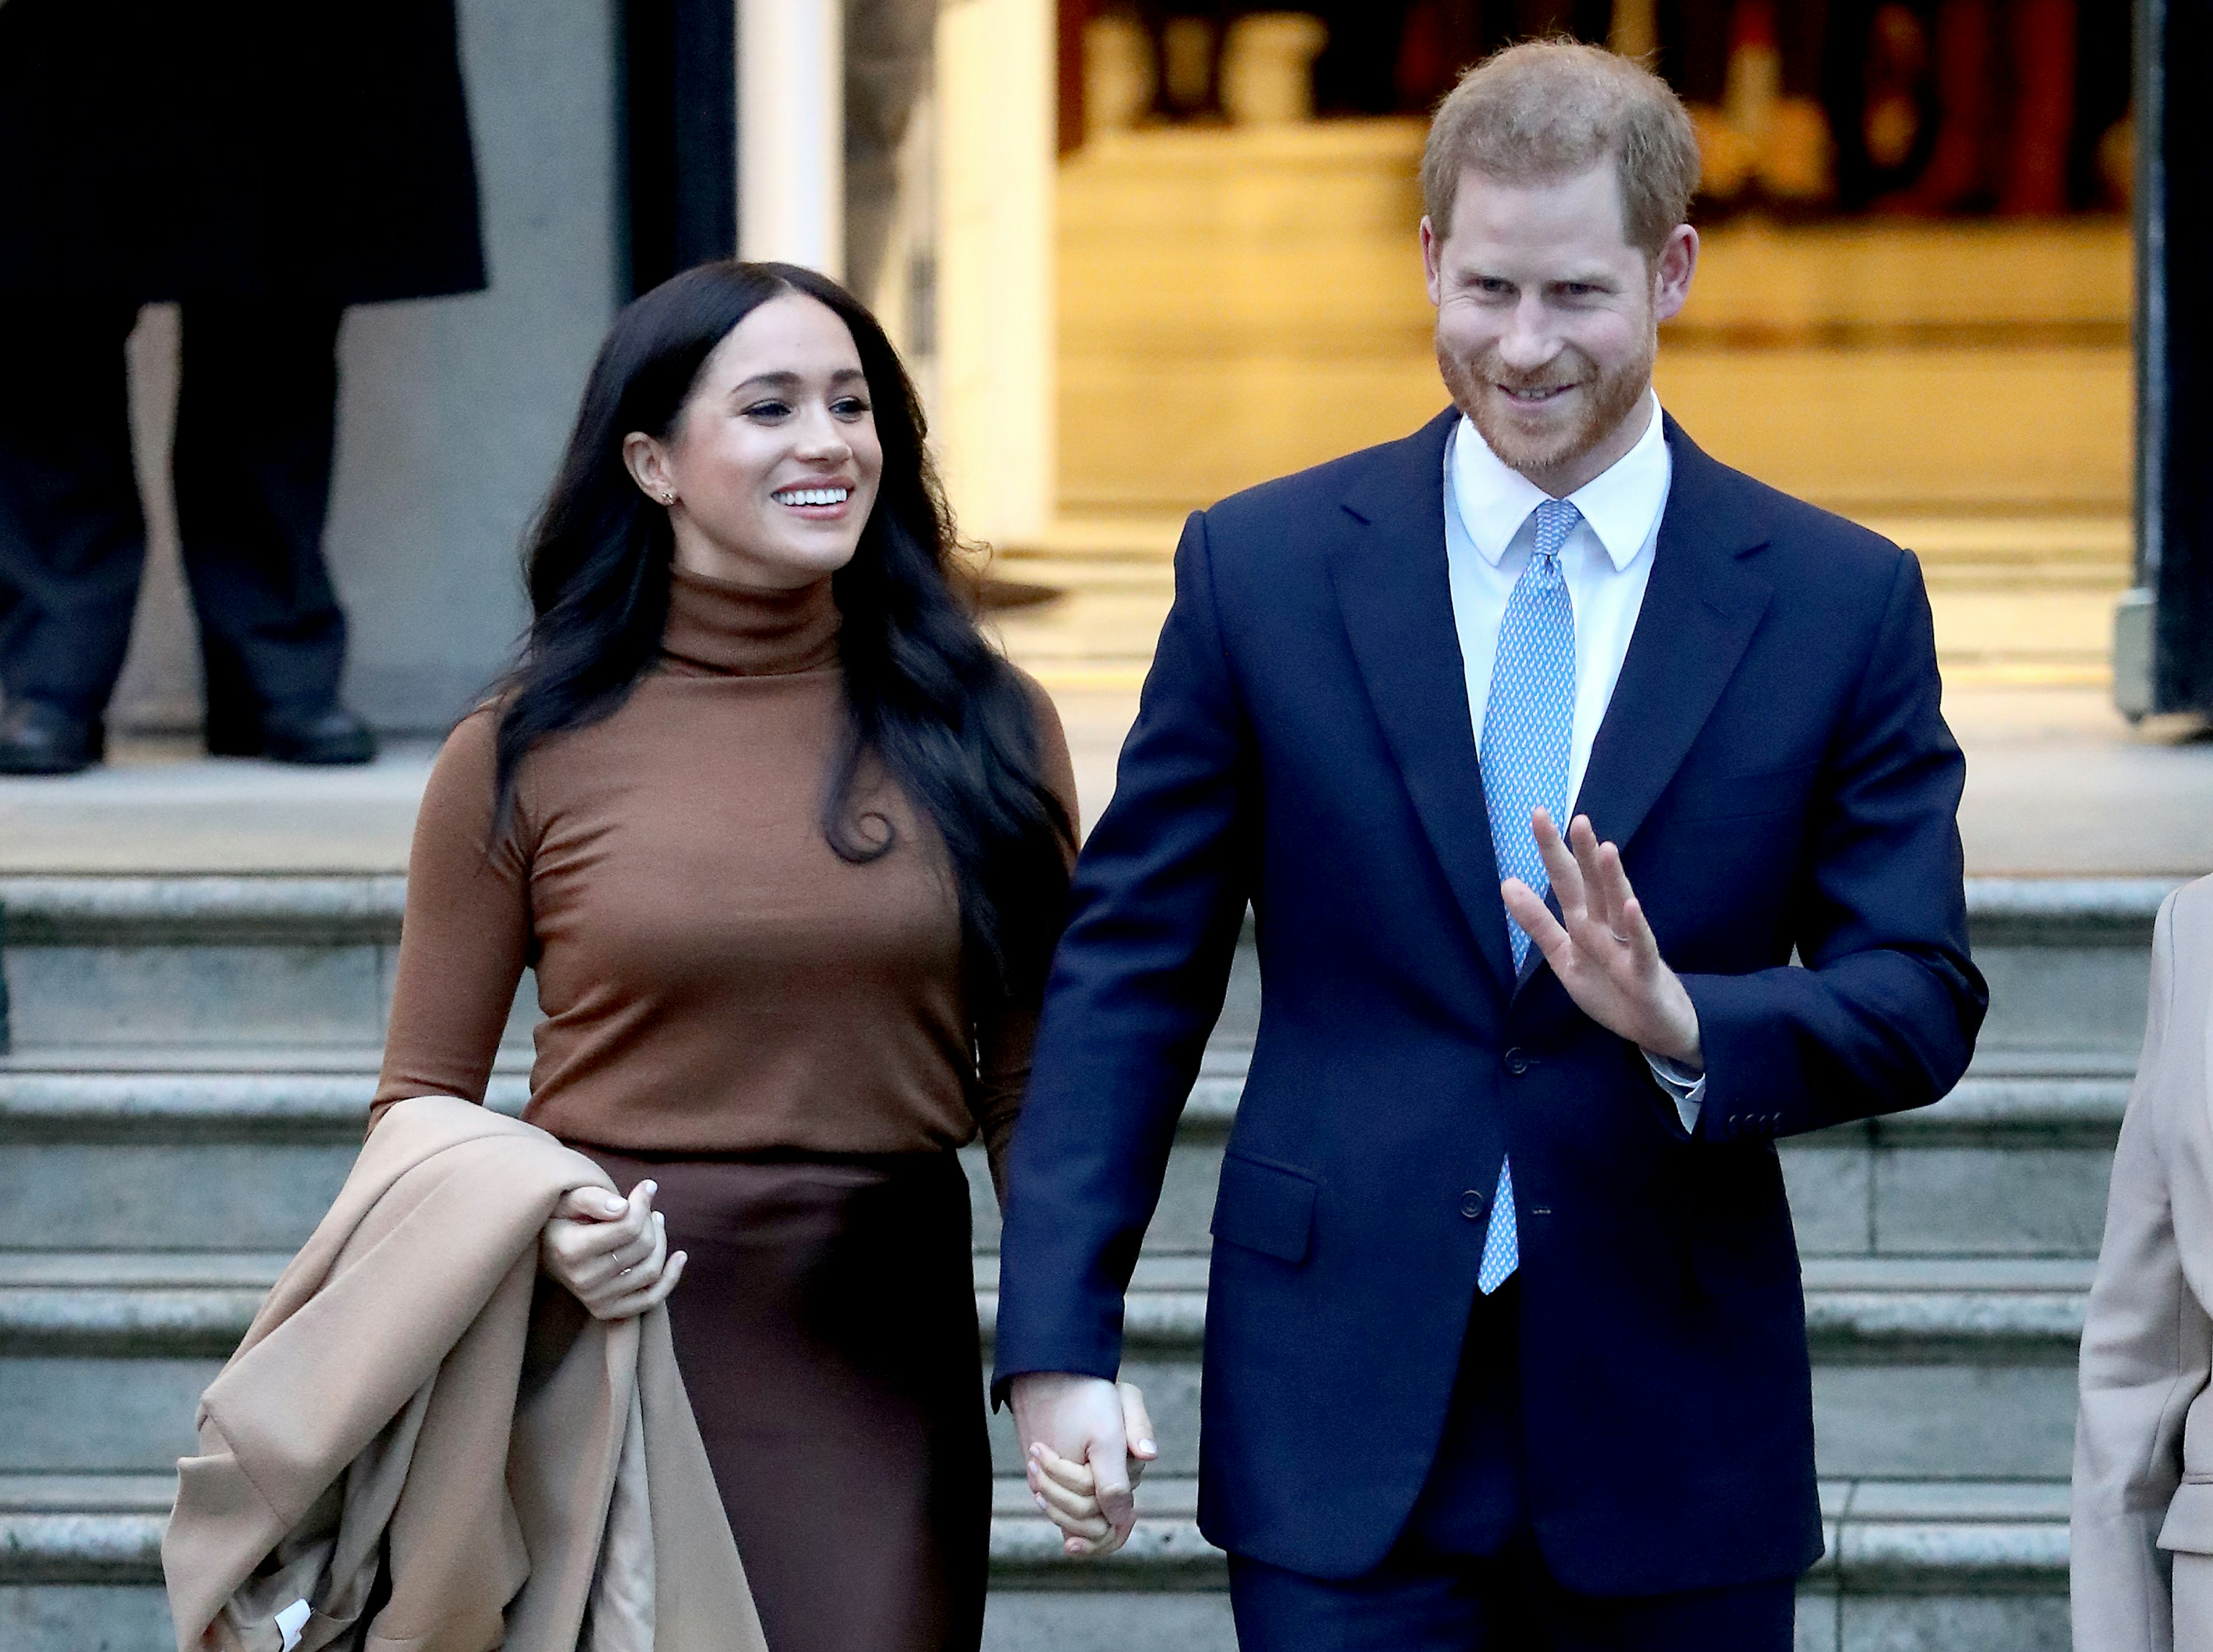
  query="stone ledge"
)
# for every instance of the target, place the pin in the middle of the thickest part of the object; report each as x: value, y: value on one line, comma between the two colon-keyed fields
x: 151, y: 911
x: 144, y: 1107
x: 163, y: 1304
x: 58, y: 910
x: 1937, y: 1538
x: 177, y: 1093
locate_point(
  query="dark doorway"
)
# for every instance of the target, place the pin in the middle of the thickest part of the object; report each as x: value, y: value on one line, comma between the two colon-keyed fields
x: 680, y: 135
x: 2174, y: 366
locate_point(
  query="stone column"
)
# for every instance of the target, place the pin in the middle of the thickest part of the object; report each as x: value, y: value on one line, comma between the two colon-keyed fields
x: 791, y: 132
x: 995, y: 417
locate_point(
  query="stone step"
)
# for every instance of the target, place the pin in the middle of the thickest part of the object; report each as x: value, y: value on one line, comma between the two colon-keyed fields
x: 95, y: 1143
x: 190, y: 1058
x: 1976, y: 1568
x: 128, y: 1302
x: 133, y: 963
x: 1921, y: 1365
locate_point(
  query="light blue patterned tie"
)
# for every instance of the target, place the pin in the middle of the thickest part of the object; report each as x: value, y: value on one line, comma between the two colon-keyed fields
x: 1529, y: 726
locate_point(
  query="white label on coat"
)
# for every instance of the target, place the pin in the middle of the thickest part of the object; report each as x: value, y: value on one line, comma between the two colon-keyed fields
x: 292, y: 1621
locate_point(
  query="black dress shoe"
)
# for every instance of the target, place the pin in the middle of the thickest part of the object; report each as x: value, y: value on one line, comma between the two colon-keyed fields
x: 36, y: 738
x: 332, y: 735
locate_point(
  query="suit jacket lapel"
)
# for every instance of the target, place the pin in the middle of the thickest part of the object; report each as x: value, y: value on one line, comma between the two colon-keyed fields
x: 1701, y: 608
x: 1396, y: 599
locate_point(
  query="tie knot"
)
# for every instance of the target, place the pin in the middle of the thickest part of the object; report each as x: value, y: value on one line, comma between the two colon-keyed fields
x: 1556, y: 520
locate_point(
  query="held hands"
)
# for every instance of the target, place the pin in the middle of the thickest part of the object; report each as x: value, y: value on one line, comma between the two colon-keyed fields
x: 611, y: 1253
x: 1085, y: 1443
x: 1604, y: 953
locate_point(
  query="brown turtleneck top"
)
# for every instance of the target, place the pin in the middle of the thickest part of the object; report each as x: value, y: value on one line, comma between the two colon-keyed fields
x: 713, y: 977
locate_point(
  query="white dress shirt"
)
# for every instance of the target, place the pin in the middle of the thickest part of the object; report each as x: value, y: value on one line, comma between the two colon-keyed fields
x: 1490, y: 529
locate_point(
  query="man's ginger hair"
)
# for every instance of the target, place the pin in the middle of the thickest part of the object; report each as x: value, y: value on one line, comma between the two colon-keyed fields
x: 1549, y: 109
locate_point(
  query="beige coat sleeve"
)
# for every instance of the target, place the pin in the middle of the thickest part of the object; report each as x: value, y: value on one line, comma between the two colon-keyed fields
x: 2146, y: 1349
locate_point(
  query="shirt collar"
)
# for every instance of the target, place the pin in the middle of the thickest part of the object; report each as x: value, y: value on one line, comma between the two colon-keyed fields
x: 1621, y: 503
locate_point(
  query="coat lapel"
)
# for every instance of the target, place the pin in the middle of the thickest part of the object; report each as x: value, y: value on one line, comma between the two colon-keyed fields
x: 1396, y: 599
x: 1700, y: 611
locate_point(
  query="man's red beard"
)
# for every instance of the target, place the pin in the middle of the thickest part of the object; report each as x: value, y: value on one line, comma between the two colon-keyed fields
x: 1608, y: 398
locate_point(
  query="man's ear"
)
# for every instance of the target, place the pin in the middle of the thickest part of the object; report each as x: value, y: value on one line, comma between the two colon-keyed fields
x: 1432, y: 251
x: 1672, y: 272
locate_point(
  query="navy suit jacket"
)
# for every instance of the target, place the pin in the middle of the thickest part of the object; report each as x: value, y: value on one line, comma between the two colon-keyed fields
x: 1777, y: 771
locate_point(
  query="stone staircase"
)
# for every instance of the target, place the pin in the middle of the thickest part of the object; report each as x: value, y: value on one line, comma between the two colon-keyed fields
x: 188, y: 1061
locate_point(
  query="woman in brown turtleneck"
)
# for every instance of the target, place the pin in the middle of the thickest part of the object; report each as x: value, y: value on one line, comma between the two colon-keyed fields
x: 787, y: 845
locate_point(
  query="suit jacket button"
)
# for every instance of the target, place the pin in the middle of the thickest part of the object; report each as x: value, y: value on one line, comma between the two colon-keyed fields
x: 1516, y: 1062
x: 1471, y: 1204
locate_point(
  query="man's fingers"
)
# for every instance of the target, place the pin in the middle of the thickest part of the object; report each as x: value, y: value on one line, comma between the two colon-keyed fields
x: 1535, y: 916
x: 1589, y: 856
x: 1560, y: 867
x: 1609, y: 883
x: 1137, y: 1428
x: 1637, y: 930
x: 1115, y: 1501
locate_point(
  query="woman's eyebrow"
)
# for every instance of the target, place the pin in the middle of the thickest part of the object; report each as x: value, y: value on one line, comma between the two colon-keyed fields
x: 786, y: 379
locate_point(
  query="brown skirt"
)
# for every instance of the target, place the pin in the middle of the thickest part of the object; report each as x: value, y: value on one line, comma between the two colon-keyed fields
x: 825, y: 1329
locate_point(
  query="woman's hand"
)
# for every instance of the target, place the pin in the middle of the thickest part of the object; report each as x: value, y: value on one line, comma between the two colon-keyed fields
x: 611, y: 1253
x: 1089, y: 1442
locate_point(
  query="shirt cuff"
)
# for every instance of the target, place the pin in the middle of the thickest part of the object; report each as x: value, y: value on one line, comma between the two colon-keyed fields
x: 1686, y: 1088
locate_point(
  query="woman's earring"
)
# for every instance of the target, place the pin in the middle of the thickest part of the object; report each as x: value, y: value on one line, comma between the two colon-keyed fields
x: 668, y: 498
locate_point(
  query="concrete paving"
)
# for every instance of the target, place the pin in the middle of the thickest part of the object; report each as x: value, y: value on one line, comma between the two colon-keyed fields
x: 2057, y: 785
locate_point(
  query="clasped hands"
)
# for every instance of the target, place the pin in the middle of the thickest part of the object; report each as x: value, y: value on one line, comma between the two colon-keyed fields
x: 1086, y: 1443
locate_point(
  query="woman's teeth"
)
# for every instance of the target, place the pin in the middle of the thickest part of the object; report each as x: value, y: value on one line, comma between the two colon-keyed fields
x: 812, y: 496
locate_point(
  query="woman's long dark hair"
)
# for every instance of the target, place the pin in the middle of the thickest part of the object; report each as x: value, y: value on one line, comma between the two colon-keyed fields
x: 945, y: 717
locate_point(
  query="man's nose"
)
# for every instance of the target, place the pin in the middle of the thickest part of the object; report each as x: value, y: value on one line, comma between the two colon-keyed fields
x: 1528, y: 342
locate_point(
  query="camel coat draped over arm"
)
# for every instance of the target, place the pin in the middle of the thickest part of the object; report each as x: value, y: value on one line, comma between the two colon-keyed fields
x: 413, y: 1400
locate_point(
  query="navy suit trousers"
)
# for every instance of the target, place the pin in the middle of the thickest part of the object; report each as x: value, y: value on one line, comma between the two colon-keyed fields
x: 1421, y: 1601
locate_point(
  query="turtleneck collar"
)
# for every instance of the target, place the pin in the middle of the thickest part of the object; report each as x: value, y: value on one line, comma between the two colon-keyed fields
x: 716, y: 626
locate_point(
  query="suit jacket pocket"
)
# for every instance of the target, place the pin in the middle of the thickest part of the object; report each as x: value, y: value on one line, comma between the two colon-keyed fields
x: 1742, y: 796
x: 2188, y: 1528
x: 1751, y: 1257
x: 1265, y: 1207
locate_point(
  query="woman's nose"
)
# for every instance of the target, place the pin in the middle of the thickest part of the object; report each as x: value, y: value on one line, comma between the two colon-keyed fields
x: 822, y: 437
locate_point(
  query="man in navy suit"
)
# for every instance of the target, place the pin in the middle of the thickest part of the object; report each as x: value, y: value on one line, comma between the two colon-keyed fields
x: 1505, y: 1345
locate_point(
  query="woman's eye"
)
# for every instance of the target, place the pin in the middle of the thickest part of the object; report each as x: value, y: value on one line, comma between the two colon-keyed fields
x: 850, y: 407
x: 768, y: 410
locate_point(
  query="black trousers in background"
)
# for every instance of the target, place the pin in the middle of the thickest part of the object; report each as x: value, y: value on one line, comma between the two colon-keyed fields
x: 256, y: 418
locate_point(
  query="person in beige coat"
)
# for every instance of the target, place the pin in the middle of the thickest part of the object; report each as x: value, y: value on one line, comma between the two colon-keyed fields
x: 2143, y: 1521
x: 418, y: 1433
